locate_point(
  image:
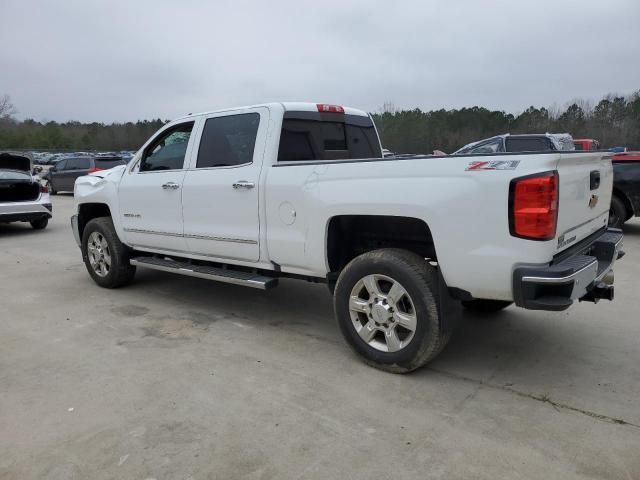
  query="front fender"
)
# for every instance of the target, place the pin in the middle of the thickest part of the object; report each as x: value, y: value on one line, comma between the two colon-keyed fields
x: 101, y: 189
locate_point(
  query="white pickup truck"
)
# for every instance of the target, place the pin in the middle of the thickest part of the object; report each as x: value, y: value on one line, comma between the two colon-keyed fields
x: 301, y: 190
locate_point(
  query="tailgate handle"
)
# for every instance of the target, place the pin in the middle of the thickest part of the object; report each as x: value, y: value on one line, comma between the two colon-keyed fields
x: 594, y: 179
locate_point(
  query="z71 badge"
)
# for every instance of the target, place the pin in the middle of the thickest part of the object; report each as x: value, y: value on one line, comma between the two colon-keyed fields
x: 493, y: 165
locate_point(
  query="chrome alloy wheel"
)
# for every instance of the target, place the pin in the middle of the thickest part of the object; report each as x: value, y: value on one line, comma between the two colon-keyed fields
x: 382, y: 313
x: 99, y: 254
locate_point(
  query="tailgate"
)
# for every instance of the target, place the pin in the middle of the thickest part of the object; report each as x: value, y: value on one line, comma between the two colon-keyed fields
x: 586, y: 181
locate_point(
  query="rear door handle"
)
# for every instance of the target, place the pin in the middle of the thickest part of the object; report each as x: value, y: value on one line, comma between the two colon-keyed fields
x: 243, y: 184
x: 170, y: 186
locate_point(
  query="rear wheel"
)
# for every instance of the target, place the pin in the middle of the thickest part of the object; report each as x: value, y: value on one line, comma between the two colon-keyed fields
x: 40, y: 224
x: 386, y: 304
x: 52, y: 191
x: 485, y: 306
x: 104, y: 255
x: 617, y: 213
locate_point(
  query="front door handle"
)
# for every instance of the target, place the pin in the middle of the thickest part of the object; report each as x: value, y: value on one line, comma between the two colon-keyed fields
x: 243, y: 184
x: 170, y: 186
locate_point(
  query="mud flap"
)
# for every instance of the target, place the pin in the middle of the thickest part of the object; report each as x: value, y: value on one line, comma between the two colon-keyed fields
x: 449, y: 307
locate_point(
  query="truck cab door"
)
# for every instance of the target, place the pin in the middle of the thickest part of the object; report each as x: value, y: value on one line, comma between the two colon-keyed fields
x: 221, y: 194
x: 150, y: 192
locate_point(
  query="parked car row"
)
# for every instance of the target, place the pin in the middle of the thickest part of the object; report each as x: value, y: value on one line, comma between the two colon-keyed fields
x: 48, y: 158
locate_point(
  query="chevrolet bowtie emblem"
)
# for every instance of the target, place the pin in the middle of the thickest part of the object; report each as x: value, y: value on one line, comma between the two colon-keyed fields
x: 593, y: 201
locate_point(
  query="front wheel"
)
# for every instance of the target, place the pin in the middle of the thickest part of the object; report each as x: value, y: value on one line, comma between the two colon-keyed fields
x: 104, y: 255
x: 387, y: 306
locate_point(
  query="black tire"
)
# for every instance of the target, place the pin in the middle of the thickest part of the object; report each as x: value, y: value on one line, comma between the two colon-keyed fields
x: 617, y: 213
x: 485, y: 306
x: 120, y: 271
x: 40, y: 224
x: 420, y: 281
x: 52, y: 191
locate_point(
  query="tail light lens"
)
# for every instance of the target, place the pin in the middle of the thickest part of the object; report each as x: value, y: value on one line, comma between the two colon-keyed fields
x: 533, y: 206
x: 95, y: 169
x: 44, y: 188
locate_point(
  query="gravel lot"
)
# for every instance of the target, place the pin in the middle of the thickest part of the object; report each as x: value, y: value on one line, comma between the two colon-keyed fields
x: 179, y: 378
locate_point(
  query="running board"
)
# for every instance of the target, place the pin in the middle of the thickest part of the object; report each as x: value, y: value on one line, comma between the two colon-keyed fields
x: 237, y: 277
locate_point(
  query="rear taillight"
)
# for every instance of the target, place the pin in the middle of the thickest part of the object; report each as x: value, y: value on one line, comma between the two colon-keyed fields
x: 533, y: 206
x: 325, y: 107
x: 95, y: 169
x: 44, y: 188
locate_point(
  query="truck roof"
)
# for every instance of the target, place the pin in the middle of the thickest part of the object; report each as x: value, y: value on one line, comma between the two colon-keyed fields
x: 287, y: 106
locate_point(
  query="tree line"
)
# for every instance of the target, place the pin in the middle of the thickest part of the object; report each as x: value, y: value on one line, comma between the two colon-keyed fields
x: 30, y: 134
x: 614, y: 121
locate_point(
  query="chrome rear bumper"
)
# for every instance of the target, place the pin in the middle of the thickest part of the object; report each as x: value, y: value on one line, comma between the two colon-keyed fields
x: 576, y: 277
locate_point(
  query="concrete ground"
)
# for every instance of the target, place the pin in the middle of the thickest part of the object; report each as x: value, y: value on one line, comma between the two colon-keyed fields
x: 181, y: 378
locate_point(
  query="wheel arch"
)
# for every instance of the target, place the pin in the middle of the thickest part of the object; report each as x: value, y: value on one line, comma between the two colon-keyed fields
x: 626, y: 201
x: 348, y: 236
x: 89, y: 211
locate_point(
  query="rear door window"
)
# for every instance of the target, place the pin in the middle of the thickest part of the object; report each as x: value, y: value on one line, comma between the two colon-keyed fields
x: 307, y: 136
x: 228, y: 141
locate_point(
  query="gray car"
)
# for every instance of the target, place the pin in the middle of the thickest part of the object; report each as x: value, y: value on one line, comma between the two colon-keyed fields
x: 22, y: 197
x: 62, y: 176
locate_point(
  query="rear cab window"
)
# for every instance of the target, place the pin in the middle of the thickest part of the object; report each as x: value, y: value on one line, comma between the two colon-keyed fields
x: 309, y: 136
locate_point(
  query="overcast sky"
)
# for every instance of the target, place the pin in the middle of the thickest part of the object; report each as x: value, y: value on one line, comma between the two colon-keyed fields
x: 127, y: 60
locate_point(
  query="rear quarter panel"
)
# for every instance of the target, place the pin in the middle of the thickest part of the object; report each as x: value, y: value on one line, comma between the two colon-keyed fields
x: 466, y: 210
